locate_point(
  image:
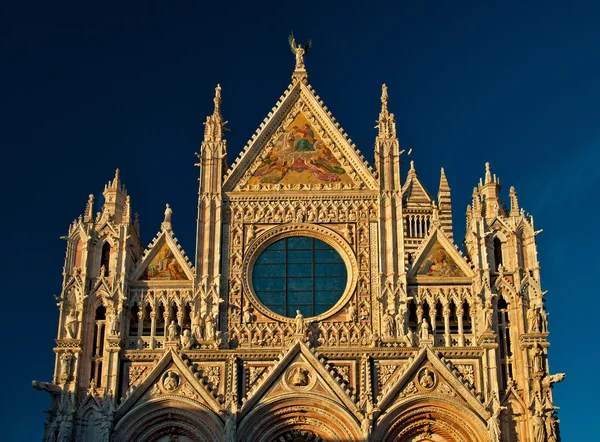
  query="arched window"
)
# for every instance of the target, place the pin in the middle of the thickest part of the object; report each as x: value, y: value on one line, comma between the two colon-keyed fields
x: 98, y: 346
x: 133, y: 320
x: 467, y: 326
x: 505, y: 343
x: 105, y: 259
x: 497, y: 253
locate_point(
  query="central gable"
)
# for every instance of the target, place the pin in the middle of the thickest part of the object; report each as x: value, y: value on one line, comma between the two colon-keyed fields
x: 299, y: 147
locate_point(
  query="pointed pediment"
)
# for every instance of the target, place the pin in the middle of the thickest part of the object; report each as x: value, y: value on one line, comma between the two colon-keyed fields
x: 427, y: 374
x: 413, y: 191
x: 439, y: 260
x: 299, y: 146
x: 300, y: 371
x: 170, y: 377
x: 163, y: 261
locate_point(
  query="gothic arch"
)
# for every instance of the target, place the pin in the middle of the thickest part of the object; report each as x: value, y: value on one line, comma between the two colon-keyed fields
x: 430, y: 415
x: 151, y: 420
x: 322, y: 417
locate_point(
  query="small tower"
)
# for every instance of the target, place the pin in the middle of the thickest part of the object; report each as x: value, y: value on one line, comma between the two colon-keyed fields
x: 387, y: 161
x: 213, y: 165
x: 445, y: 206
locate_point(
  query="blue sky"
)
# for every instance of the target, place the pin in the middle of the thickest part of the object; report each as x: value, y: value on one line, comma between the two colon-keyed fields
x: 91, y: 87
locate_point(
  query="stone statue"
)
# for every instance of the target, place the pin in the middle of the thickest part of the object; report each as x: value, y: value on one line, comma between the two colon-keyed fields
x: 114, y: 323
x: 299, y: 51
x: 67, y: 358
x: 400, y: 324
x: 426, y: 379
x: 489, y: 315
x: 197, y: 326
x: 72, y: 323
x: 493, y: 423
x: 351, y: 312
x: 551, y: 429
x: 248, y: 316
x: 186, y: 339
x: 387, y: 325
x: 299, y: 323
x: 172, y: 332
x: 538, y: 428
x: 533, y: 319
x: 168, y: 213
x: 411, y: 338
x: 424, y: 329
x: 209, y: 326
x: 543, y: 320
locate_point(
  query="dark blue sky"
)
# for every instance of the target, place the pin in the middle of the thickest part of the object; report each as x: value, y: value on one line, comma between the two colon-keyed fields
x: 87, y: 89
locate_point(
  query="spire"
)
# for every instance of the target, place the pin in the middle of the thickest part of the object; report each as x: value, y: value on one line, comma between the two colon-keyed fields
x: 514, y: 202
x: 488, y: 174
x: 412, y: 173
x: 115, y: 196
x: 445, y: 205
x: 489, y: 191
x: 386, y: 123
x: 214, y: 125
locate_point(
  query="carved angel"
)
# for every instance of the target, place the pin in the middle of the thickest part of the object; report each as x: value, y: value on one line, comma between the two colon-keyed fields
x: 299, y: 50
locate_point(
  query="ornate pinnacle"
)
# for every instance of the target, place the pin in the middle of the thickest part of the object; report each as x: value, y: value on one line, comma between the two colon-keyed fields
x: 514, y: 202
x: 386, y: 123
x: 488, y: 173
x: 217, y: 100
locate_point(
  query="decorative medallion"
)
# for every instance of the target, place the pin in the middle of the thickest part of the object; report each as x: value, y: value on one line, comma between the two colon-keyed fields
x: 300, y: 377
x: 427, y: 379
x: 170, y: 381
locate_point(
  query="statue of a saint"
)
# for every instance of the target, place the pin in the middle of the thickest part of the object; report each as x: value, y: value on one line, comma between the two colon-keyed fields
x: 400, y: 324
x: 351, y: 312
x: 533, y: 319
x: 248, y: 316
x: 209, y: 327
x: 71, y: 324
x: 168, y: 213
x: 411, y: 337
x: 171, y: 381
x: 424, y: 329
x: 186, y: 339
x: 172, y: 332
x: 387, y: 325
x: 489, y: 316
x: 426, y: 379
x: 197, y: 326
x: 299, y: 323
x: 67, y: 358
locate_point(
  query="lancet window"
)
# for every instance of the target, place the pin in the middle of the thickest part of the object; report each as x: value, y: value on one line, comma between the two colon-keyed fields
x: 497, y: 253
x: 98, y: 346
x: 506, y: 355
x: 105, y: 258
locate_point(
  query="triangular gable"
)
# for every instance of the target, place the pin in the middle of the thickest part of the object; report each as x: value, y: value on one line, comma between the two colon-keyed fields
x: 299, y: 146
x: 163, y: 261
x: 413, y: 191
x: 161, y: 382
x: 438, y: 260
x: 427, y: 373
x: 300, y: 362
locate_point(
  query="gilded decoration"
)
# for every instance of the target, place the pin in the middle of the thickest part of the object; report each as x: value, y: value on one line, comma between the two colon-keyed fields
x: 299, y: 156
x: 439, y: 263
x: 289, y: 230
x: 164, y: 266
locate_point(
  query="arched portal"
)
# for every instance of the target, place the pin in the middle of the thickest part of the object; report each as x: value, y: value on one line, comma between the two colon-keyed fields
x: 430, y: 418
x: 160, y: 420
x: 299, y: 417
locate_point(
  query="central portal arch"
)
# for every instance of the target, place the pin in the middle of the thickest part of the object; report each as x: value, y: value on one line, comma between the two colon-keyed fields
x: 430, y: 419
x: 299, y: 417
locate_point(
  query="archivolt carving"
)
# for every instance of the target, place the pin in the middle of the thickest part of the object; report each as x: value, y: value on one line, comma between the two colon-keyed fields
x: 437, y: 415
x: 323, y: 417
x: 188, y: 417
x: 289, y: 230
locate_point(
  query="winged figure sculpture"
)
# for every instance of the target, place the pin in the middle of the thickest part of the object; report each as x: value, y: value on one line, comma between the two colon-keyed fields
x: 299, y: 50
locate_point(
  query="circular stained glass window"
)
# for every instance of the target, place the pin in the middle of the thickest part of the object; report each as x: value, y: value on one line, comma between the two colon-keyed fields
x: 299, y: 273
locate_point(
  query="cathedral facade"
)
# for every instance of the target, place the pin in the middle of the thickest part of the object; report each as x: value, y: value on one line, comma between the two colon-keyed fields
x: 327, y: 301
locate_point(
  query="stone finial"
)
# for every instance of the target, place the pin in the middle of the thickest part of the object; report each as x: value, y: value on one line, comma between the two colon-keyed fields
x: 89, y: 207
x: 514, y: 202
x: 214, y: 124
x: 488, y: 174
x: 387, y: 122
